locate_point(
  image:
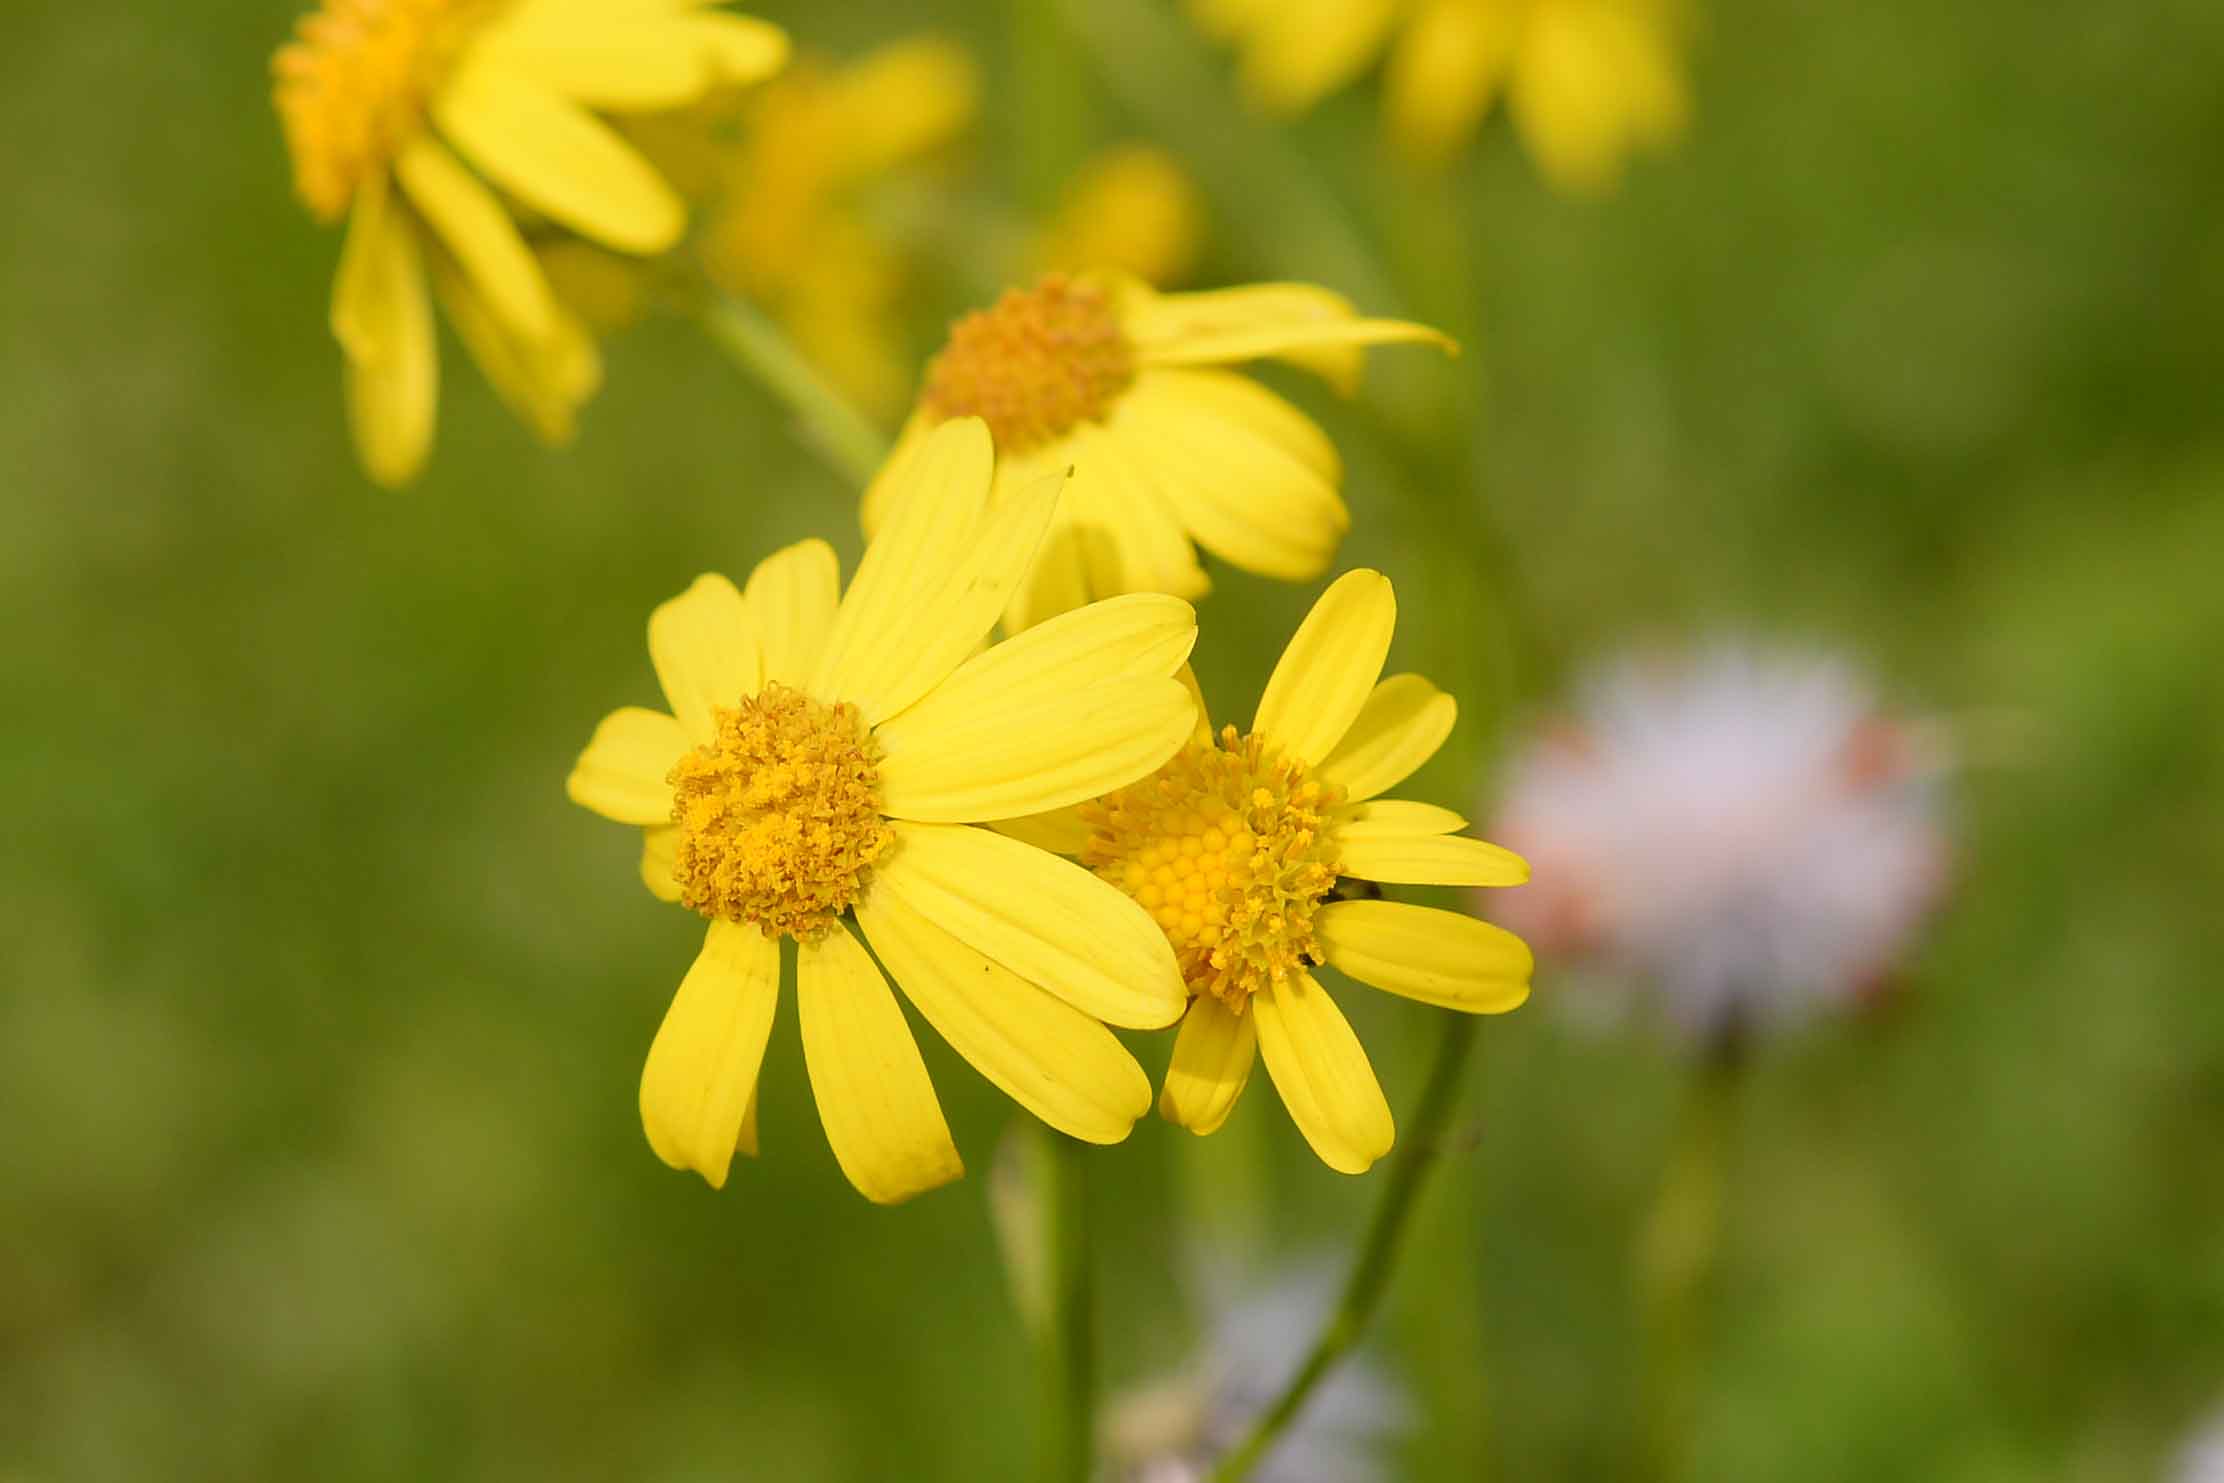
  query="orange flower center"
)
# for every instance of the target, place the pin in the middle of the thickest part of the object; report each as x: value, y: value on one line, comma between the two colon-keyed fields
x: 354, y: 82
x: 779, y: 817
x: 1228, y: 847
x: 1036, y: 365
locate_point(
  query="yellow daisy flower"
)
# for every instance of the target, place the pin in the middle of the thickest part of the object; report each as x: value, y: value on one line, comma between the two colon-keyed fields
x: 1170, y: 450
x: 425, y: 124
x: 1237, y: 845
x: 819, y: 774
x: 1586, y: 82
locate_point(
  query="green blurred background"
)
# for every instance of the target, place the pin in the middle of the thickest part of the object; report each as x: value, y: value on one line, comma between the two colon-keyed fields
x: 325, y: 1010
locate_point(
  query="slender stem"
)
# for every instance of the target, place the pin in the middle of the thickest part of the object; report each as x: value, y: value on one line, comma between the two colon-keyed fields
x: 1371, y: 1269
x: 1069, y: 1337
x: 844, y: 436
x: 1675, y: 1260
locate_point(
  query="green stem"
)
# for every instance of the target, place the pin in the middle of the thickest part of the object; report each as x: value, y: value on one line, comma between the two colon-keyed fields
x: 1068, y: 1339
x: 824, y: 417
x: 1370, y: 1271
x: 1675, y: 1260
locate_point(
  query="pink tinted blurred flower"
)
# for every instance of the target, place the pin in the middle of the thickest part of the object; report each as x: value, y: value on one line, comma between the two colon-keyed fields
x: 2202, y: 1460
x: 1745, y: 832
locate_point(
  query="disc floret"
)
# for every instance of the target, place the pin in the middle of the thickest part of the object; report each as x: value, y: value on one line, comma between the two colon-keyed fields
x: 1034, y: 366
x: 779, y: 816
x: 1229, y: 848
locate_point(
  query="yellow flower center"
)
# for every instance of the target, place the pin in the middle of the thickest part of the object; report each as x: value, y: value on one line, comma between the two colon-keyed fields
x: 1038, y: 364
x: 1228, y: 847
x: 354, y: 82
x: 780, y: 816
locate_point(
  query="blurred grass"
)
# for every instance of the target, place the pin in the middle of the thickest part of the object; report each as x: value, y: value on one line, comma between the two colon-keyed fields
x: 318, y: 1058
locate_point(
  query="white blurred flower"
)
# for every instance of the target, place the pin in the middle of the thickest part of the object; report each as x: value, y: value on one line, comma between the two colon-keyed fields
x: 1745, y: 832
x: 2202, y: 1461
x: 1175, y: 1428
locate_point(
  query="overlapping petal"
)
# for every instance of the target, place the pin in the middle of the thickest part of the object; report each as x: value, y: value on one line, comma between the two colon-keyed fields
x: 1400, y: 727
x: 1213, y: 1057
x: 793, y: 594
x: 621, y: 775
x: 1323, y: 1074
x: 703, y: 644
x: 700, y: 1083
x: 1437, y: 957
x: 1431, y: 860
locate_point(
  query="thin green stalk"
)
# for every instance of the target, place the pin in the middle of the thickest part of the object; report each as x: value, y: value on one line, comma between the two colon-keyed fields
x: 844, y: 436
x: 1069, y: 1336
x: 1371, y: 1270
x: 1675, y: 1262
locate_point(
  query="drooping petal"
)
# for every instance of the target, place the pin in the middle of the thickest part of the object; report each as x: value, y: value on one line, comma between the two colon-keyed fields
x: 1256, y: 344
x: 543, y: 382
x: 660, y: 856
x: 1146, y: 545
x: 701, y: 1076
x: 622, y: 773
x: 1445, y: 72
x: 382, y: 317
x: 1437, y: 957
x: 879, y: 1109
x: 1213, y: 1056
x: 1323, y: 1074
x: 1431, y: 860
x: 935, y: 577
x: 558, y: 158
x: 1393, y: 817
x: 1253, y: 498
x: 1400, y: 727
x: 1325, y: 675
x: 1046, y: 1055
x: 792, y: 594
x: 704, y: 646
x: 1065, y: 712
x: 1298, y: 320
x: 480, y: 233
x: 1047, y: 919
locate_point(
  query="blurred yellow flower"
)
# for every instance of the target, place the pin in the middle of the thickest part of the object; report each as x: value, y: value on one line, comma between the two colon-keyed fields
x: 1586, y: 82
x: 1131, y: 209
x: 1236, y: 847
x: 819, y: 774
x: 793, y: 237
x: 1128, y: 388
x: 426, y: 124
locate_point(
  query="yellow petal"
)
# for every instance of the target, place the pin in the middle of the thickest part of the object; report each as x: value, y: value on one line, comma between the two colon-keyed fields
x: 1257, y: 344
x: 1431, y: 860
x: 485, y: 241
x: 1119, y: 493
x: 1323, y: 1074
x: 1213, y: 1056
x: 557, y: 158
x: 792, y: 594
x: 895, y: 476
x: 902, y: 101
x: 1048, y: 920
x: 660, y: 855
x: 1444, y: 74
x: 1248, y: 498
x: 935, y: 576
x: 1046, y: 1055
x: 1323, y: 679
x: 741, y: 48
x: 1437, y: 957
x: 1047, y: 719
x: 621, y: 774
x: 1393, y: 817
x: 1294, y: 315
x: 1015, y: 759
x: 1400, y: 727
x: 610, y: 59
x: 543, y: 382
x: 878, y: 1107
x: 704, y: 646
x: 382, y: 317
x: 1059, y: 831
x: 1309, y: 48
x: 1202, y: 736
x: 701, y: 1077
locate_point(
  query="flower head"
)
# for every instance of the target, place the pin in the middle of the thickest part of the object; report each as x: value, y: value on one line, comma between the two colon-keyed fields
x: 1174, y: 1429
x: 1587, y: 82
x: 1747, y: 833
x: 418, y: 121
x: 1169, y: 449
x: 818, y: 776
x: 1238, y: 845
